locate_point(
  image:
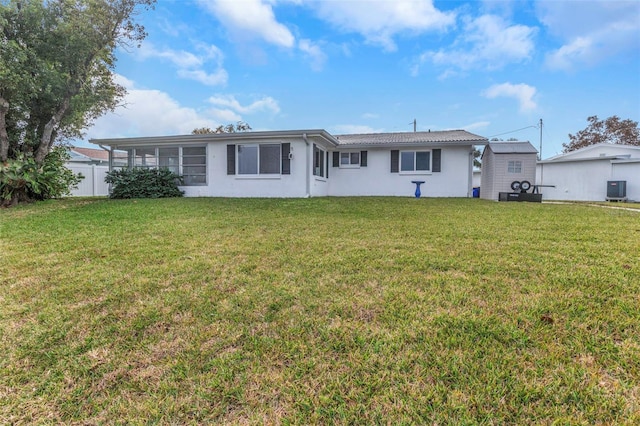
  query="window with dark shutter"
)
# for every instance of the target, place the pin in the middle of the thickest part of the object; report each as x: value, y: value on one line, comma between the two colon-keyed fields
x: 395, y: 159
x: 437, y: 160
x: 231, y: 159
x: 363, y: 158
x: 336, y: 159
x: 286, y: 161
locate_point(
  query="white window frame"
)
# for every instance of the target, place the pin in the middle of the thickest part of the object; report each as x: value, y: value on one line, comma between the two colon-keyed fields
x: 258, y: 174
x: 415, y: 159
x: 514, y: 167
x: 350, y: 164
x: 320, y: 171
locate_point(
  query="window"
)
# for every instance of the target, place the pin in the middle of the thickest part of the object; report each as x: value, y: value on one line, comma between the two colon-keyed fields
x: 189, y: 162
x: 263, y: 159
x: 415, y: 161
x: 514, y: 166
x: 349, y: 158
x: 318, y: 161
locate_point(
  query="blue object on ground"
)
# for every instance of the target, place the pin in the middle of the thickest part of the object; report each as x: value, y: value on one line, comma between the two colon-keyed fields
x: 418, y: 183
x: 476, y: 192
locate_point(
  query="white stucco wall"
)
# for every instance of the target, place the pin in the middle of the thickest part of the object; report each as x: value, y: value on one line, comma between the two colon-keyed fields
x: 376, y: 178
x: 630, y: 172
x: 575, y: 180
x: 219, y: 184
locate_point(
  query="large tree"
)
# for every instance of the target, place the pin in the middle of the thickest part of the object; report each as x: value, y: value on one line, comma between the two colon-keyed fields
x: 612, y: 130
x: 56, y: 69
x: 240, y: 126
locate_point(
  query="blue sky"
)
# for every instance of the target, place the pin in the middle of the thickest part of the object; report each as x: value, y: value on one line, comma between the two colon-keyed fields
x: 362, y: 66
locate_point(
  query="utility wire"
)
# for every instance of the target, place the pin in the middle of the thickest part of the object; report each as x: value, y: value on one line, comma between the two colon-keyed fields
x: 517, y: 130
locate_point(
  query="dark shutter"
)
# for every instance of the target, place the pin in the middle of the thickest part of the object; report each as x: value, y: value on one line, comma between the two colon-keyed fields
x: 395, y: 159
x: 316, y: 163
x: 327, y: 165
x: 231, y: 159
x: 286, y: 162
x: 336, y: 158
x: 363, y: 158
x: 437, y: 160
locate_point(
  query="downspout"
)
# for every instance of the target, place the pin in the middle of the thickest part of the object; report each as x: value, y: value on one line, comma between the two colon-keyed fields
x: 306, y: 141
x: 470, y: 180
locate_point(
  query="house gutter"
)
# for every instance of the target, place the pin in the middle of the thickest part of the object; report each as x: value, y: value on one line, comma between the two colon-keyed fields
x: 308, y: 181
x: 470, y: 181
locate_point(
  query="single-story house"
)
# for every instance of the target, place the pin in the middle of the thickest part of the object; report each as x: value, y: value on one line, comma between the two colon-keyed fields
x: 80, y: 155
x: 309, y: 163
x: 504, y: 163
x: 583, y: 174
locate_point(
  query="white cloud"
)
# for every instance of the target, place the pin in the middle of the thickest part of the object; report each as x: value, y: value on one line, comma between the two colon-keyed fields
x: 379, y: 21
x: 487, y: 42
x: 523, y: 93
x: 148, y: 112
x: 191, y: 66
x: 591, y: 32
x: 252, y: 19
x: 313, y: 52
x: 370, y: 115
x: 266, y: 104
x: 477, y: 125
x: 355, y: 129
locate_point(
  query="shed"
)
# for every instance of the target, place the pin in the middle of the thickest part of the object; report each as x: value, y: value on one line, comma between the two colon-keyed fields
x: 504, y: 163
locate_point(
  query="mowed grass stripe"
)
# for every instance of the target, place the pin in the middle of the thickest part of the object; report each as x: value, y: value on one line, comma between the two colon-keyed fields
x: 324, y: 310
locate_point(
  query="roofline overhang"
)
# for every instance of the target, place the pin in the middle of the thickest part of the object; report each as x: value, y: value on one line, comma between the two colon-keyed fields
x: 438, y: 144
x: 216, y: 137
x: 577, y: 160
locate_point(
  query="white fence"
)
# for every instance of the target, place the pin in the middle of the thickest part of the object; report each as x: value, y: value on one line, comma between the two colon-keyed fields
x: 93, y: 183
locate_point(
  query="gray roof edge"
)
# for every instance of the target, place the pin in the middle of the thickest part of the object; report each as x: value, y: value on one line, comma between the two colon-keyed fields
x: 213, y: 137
x: 408, y: 144
x: 577, y: 160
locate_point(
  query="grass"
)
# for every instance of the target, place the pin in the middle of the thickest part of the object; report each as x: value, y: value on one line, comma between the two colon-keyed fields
x: 319, y: 311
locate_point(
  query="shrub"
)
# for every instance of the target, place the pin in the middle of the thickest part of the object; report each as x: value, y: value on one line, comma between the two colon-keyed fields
x: 144, y: 183
x: 21, y: 179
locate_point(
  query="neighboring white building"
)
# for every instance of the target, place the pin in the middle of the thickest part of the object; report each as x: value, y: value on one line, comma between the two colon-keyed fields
x: 582, y: 175
x: 504, y: 163
x: 310, y: 163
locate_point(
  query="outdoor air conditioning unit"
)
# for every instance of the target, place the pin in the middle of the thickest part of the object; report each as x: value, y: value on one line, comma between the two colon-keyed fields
x: 616, y: 190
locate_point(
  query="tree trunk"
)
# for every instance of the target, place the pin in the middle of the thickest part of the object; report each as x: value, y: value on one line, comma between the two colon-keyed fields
x: 46, y: 141
x: 4, y: 137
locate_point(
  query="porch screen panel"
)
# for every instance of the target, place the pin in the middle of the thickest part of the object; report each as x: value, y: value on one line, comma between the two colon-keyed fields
x: 194, y: 165
x: 169, y: 158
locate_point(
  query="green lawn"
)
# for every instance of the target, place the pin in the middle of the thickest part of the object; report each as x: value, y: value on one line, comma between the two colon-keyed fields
x: 319, y: 311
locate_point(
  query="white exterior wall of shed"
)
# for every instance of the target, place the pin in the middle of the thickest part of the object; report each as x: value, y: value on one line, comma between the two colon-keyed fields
x: 376, y: 179
x: 496, y: 177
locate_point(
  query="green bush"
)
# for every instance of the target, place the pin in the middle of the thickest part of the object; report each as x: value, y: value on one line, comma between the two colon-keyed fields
x: 144, y: 183
x: 22, y: 179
